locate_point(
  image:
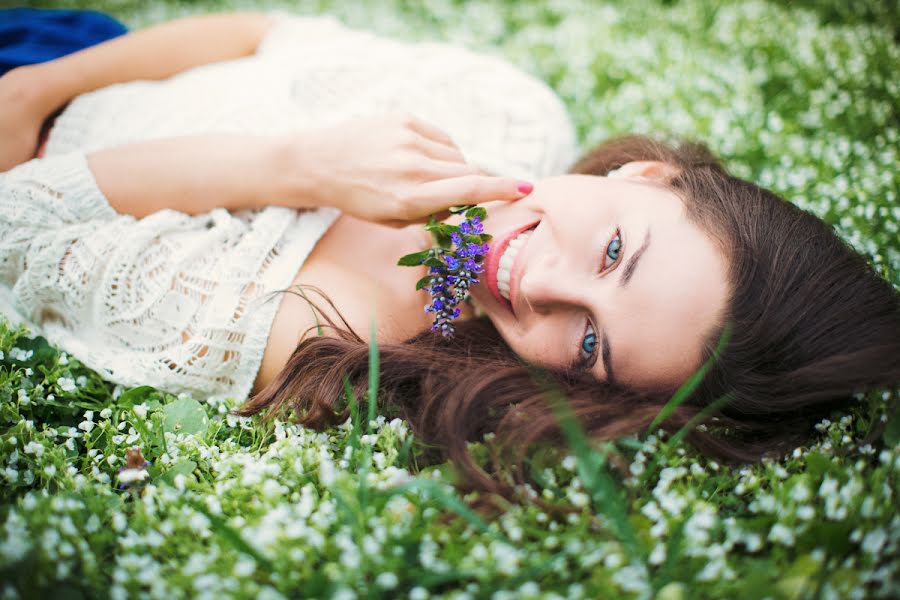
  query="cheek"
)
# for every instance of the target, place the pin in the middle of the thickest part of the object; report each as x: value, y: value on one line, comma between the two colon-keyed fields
x: 542, y: 344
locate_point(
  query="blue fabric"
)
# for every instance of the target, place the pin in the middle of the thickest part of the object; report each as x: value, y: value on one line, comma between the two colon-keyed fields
x: 30, y: 35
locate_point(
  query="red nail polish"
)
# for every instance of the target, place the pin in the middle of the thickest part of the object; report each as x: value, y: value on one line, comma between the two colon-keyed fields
x: 525, y: 187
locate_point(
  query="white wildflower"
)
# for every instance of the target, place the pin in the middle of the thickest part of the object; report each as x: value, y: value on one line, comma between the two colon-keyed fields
x: 658, y: 555
x: 127, y: 476
x: 828, y: 488
x: 66, y: 384
x: 244, y: 567
x: 418, y: 593
x: 782, y: 534
x: 20, y: 355
x: 753, y: 542
x: 386, y: 581
x: 34, y: 448
x: 800, y: 492
x: 874, y: 541
x: 806, y: 512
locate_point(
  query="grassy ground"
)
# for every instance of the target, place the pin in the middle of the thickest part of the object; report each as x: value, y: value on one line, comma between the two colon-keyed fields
x: 803, y: 101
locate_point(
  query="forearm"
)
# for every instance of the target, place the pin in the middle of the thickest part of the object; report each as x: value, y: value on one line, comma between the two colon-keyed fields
x: 194, y: 174
x: 157, y: 52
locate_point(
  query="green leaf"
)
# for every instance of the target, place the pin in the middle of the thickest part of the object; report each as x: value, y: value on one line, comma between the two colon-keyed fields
x: 446, y: 229
x: 476, y: 211
x: 413, y: 260
x: 137, y: 395
x: 434, y: 262
x: 423, y: 282
x: 184, y: 467
x: 817, y: 464
x: 185, y: 415
x: 455, y: 210
x: 442, y: 240
x: 891, y: 433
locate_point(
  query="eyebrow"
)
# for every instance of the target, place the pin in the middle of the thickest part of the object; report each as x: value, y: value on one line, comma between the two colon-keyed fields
x: 627, y: 273
x: 606, y: 353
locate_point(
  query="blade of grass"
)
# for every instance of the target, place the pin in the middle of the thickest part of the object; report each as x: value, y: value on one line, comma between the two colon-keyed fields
x: 688, y: 387
x: 403, y: 456
x: 673, y: 553
x: 230, y: 535
x: 606, y: 493
x: 373, y: 396
x: 433, y: 490
x: 701, y: 416
x: 373, y: 374
x: 354, y: 417
x: 665, y: 446
x: 350, y: 516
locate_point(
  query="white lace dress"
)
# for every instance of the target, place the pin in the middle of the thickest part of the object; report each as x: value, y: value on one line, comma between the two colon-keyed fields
x: 184, y: 302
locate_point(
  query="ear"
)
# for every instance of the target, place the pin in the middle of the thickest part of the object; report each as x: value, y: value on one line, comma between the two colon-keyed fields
x: 648, y: 169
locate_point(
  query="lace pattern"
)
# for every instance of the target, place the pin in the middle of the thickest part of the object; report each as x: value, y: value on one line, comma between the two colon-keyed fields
x: 182, y: 302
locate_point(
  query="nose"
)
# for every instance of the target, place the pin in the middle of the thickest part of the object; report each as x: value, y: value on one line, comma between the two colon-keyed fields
x: 548, y: 283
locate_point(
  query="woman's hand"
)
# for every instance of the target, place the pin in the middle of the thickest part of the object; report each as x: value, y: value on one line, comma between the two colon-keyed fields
x: 22, y: 113
x: 393, y: 170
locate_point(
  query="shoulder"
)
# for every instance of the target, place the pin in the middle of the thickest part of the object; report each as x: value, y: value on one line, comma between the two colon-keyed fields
x: 289, y: 31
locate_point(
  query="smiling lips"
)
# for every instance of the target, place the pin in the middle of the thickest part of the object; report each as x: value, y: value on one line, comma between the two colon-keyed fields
x: 502, y: 264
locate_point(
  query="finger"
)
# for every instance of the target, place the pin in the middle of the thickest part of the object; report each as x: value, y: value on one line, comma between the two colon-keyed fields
x: 438, y: 151
x: 430, y: 131
x: 440, y: 169
x: 470, y: 189
x: 398, y: 223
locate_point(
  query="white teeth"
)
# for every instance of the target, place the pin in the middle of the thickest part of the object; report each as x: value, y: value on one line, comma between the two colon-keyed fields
x: 503, y: 282
x: 506, y: 262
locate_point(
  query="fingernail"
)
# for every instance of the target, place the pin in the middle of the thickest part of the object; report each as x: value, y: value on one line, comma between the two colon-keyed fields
x: 524, y: 187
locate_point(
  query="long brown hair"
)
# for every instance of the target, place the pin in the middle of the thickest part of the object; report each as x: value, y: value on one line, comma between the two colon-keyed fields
x: 811, y: 324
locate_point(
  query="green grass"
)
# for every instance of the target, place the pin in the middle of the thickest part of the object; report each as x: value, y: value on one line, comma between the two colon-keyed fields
x: 800, y: 99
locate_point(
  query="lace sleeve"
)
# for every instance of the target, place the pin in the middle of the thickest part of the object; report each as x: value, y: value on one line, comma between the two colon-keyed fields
x: 181, y: 302
x: 43, y: 196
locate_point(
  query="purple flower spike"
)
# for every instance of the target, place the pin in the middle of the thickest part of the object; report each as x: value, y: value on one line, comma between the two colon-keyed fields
x: 449, y: 283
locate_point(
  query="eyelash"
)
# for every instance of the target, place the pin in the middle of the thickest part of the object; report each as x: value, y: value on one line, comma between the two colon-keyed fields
x: 586, y: 363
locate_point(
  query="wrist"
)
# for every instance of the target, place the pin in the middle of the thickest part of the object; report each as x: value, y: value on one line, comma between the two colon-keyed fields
x: 297, y: 182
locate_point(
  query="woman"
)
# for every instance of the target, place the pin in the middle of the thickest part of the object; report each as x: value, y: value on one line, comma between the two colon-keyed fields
x: 617, y: 279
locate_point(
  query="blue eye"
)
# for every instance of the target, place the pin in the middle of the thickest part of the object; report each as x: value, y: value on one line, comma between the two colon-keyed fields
x: 613, y: 251
x: 588, y: 345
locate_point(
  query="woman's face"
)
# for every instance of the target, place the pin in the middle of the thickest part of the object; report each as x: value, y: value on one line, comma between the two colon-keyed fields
x: 607, y: 274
